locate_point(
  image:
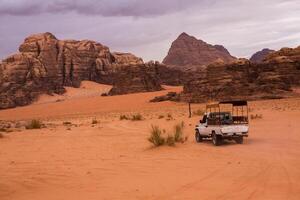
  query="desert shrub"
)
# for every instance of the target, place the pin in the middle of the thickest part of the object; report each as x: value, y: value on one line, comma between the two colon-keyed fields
x: 156, y: 137
x: 137, y: 117
x: 170, y: 140
x: 178, y: 132
x: 161, y: 116
x: 34, y: 124
x: 2, y: 129
x: 199, y: 112
x: 256, y: 116
x: 124, y: 117
x: 169, y: 117
x: 67, y: 123
x: 94, y: 121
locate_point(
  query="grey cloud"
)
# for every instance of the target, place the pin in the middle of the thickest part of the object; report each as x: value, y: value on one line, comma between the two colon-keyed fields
x: 97, y: 7
x: 242, y: 26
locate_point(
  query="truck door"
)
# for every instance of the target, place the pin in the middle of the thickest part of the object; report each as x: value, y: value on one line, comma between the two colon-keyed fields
x: 203, y: 129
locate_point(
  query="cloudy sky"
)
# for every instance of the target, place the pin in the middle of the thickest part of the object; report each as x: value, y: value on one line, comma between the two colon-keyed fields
x: 147, y: 27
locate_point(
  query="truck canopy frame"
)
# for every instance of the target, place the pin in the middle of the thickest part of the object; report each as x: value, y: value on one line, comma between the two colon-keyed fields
x: 239, y: 118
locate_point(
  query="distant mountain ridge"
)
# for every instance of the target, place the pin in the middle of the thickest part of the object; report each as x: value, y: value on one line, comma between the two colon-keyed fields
x: 187, y: 52
x: 260, y: 56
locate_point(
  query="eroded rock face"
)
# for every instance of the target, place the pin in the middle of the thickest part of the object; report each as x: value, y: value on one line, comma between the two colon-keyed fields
x: 245, y: 80
x: 46, y: 64
x: 260, y: 56
x: 187, y: 52
x: 137, y: 78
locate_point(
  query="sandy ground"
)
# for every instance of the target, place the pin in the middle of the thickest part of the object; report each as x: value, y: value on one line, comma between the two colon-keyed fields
x: 113, y: 159
x: 86, y: 89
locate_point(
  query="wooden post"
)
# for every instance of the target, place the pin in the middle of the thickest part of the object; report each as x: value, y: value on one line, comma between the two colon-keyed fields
x: 190, y: 110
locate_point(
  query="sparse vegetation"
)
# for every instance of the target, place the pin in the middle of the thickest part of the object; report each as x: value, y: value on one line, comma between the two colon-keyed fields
x: 124, y: 117
x: 178, y: 132
x: 199, y: 112
x: 34, y: 124
x: 94, y: 121
x: 169, y: 117
x: 3, y: 129
x: 156, y: 137
x: 135, y: 117
x: 170, y: 140
x: 161, y: 116
x: 67, y: 123
x: 256, y: 116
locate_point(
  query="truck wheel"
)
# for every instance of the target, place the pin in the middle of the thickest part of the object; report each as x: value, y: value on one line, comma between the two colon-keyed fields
x: 198, y: 137
x: 239, y: 140
x: 217, y: 139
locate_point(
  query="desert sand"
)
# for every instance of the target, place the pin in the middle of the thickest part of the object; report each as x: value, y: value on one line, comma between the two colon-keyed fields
x: 113, y: 159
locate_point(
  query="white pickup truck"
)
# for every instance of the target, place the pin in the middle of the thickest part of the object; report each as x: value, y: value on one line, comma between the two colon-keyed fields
x: 219, y: 125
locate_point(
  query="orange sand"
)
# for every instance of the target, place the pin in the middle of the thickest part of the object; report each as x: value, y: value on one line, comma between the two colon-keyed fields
x: 113, y: 159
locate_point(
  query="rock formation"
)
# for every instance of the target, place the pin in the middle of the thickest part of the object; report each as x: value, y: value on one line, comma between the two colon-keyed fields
x: 46, y: 64
x: 259, y: 56
x: 274, y: 78
x: 187, y: 52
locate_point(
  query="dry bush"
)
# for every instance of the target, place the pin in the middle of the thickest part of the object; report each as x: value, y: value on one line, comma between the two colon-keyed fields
x: 178, y: 133
x: 156, y: 137
x: 170, y: 140
x: 94, y: 121
x: 199, y: 112
x: 161, y: 116
x: 256, y: 116
x: 67, y: 123
x: 34, y: 124
x: 169, y: 117
x: 124, y: 117
x: 136, y: 117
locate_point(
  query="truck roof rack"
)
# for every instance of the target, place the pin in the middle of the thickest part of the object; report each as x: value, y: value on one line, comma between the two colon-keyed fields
x: 235, y: 103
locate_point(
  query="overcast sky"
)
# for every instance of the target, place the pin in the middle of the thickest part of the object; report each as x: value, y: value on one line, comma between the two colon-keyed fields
x: 148, y: 27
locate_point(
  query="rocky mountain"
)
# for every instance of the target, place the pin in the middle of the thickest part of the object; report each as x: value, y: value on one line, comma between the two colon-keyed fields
x: 242, y: 79
x: 45, y: 64
x: 259, y: 56
x: 187, y: 52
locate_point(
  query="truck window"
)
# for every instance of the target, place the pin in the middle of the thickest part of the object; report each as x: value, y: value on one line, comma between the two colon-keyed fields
x: 204, y: 119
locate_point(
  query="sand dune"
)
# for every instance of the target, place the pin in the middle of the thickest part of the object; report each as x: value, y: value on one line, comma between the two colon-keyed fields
x: 113, y: 159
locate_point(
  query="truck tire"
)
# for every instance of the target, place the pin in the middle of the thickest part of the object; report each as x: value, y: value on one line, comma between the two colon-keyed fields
x: 239, y: 140
x: 198, y: 137
x: 217, y: 139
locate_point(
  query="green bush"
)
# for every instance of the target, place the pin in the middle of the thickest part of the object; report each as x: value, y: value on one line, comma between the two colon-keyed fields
x: 34, y: 124
x: 156, y: 137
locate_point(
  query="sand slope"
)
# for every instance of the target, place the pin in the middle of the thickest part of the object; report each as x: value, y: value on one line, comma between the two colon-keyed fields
x: 113, y: 160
